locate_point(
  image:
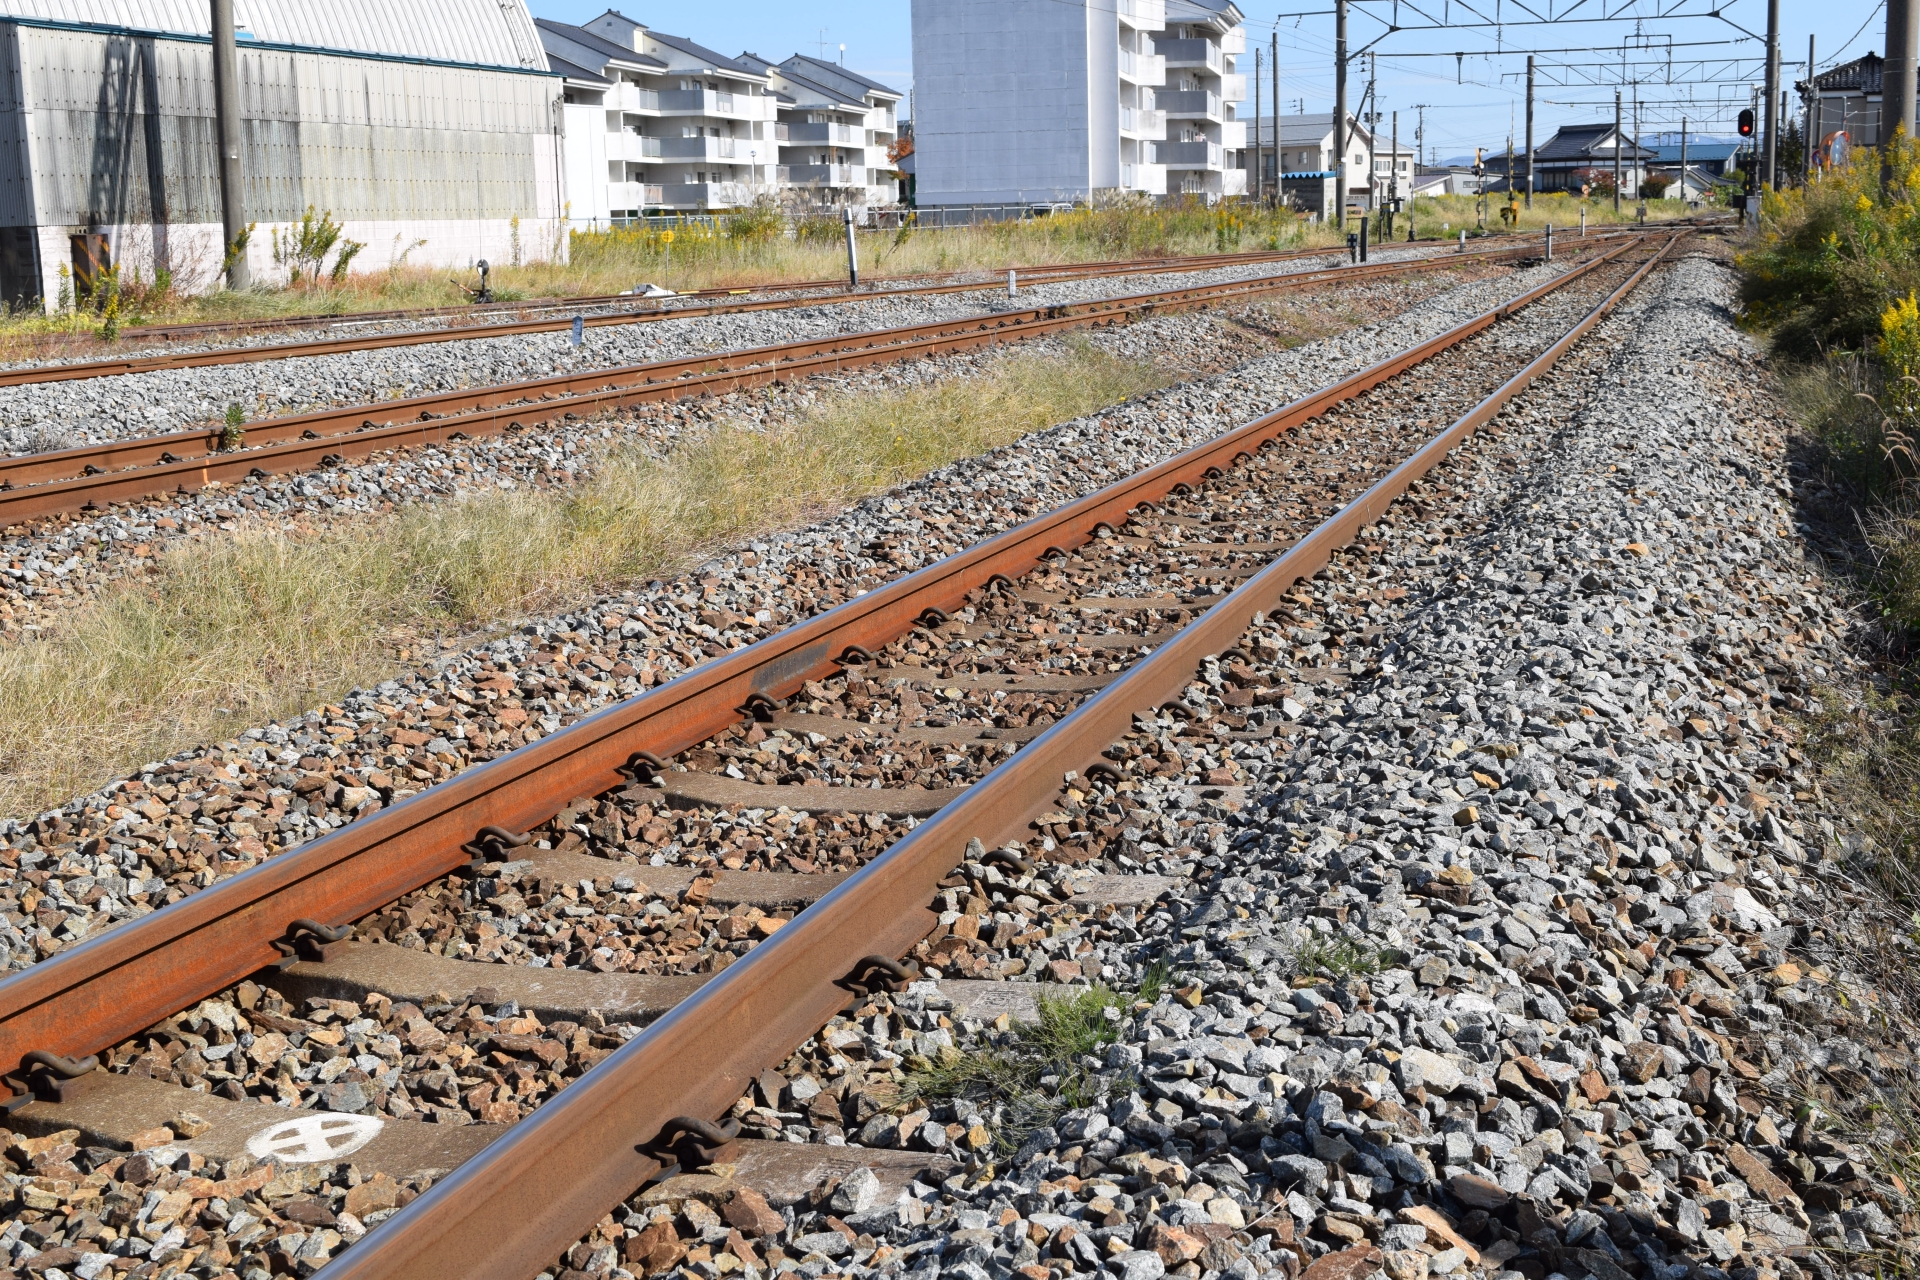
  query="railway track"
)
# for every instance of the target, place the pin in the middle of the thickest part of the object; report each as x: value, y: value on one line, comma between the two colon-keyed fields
x: 38, y: 485
x: 1063, y: 638
x: 877, y: 286
x: 551, y: 322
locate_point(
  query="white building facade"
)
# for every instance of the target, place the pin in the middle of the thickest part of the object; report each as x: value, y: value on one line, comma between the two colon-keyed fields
x: 833, y: 130
x: 432, y: 135
x: 1310, y: 179
x: 654, y: 121
x: 1022, y: 101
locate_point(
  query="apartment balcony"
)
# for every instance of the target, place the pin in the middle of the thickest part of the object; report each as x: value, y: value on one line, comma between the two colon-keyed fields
x: 631, y: 97
x: 1233, y: 88
x: 1191, y: 155
x: 708, y: 102
x: 1197, y: 54
x: 633, y: 195
x: 844, y: 135
x: 1144, y: 15
x: 1150, y: 178
x: 704, y: 148
x: 1233, y: 134
x: 1189, y: 104
x: 1143, y: 68
x: 703, y: 195
x: 633, y: 146
x: 1143, y: 123
x: 823, y: 175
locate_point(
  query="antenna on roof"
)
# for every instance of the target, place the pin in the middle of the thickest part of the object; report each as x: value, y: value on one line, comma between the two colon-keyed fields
x: 843, y: 55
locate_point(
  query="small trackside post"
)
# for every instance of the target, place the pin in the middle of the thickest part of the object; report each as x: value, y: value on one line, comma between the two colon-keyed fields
x: 1549, y: 242
x: 1363, y: 239
x: 853, y: 258
x: 1013, y: 283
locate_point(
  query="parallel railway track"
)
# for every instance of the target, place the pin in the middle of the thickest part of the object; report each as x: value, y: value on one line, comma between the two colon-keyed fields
x: 38, y: 485
x: 1282, y: 484
x: 556, y: 315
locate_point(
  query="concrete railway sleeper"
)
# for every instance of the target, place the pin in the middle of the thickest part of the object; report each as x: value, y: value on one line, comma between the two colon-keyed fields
x: 85, y: 478
x: 890, y: 701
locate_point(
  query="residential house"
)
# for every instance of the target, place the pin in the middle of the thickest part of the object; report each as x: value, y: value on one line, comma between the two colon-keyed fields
x: 1450, y: 180
x: 1845, y: 99
x: 1028, y: 101
x: 1308, y: 178
x: 832, y: 129
x: 1577, y: 155
x: 671, y: 124
x: 1710, y: 156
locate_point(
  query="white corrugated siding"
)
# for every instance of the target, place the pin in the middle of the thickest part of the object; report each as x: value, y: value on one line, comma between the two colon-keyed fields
x: 497, y: 33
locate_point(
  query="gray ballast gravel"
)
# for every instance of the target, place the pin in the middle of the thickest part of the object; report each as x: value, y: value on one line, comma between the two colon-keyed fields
x: 1515, y: 958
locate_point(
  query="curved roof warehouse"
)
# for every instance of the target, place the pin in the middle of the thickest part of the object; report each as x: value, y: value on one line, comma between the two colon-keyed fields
x: 429, y: 129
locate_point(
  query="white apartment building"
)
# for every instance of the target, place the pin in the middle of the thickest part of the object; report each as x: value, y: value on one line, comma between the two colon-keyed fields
x: 654, y: 121
x: 1309, y: 179
x: 1037, y: 100
x: 832, y: 129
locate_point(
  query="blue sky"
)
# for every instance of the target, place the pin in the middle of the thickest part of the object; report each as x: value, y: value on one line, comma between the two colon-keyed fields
x: 1468, y: 103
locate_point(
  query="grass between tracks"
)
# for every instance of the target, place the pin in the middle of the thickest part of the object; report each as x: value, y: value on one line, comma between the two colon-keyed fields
x: 234, y: 632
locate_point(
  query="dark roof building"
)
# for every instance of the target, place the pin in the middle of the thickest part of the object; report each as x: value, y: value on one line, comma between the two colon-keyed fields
x: 1577, y: 155
x: 1845, y: 98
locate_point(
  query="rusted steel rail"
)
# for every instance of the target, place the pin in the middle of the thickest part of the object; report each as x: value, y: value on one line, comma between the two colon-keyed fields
x: 580, y: 1152
x: 113, y: 985
x: 35, y: 485
x: 636, y: 313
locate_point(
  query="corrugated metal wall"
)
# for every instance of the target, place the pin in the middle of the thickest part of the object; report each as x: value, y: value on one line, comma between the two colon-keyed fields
x: 496, y: 33
x: 119, y: 129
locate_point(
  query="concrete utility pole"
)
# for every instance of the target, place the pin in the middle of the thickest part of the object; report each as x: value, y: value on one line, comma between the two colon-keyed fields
x: 1683, y: 158
x: 1393, y: 169
x: 1616, y: 151
x: 1806, y: 131
x: 1529, y: 132
x: 1770, y: 174
x: 1256, y: 124
x: 226, y: 110
x: 1367, y: 100
x: 1279, y: 161
x: 1898, y: 80
x: 1340, y: 110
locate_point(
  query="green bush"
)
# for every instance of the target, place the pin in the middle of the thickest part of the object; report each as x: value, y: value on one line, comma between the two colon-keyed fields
x: 1833, y: 256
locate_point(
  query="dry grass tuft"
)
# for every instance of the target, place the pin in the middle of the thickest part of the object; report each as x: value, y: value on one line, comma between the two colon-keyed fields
x: 237, y: 632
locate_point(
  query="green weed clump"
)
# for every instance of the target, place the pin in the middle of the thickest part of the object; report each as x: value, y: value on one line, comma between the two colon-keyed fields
x: 1037, y: 1072
x: 1832, y: 257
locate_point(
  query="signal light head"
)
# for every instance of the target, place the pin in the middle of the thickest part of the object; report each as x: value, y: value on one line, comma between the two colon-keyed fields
x: 1746, y: 123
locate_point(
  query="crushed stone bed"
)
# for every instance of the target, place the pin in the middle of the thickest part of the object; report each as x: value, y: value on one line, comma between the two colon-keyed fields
x: 1493, y: 957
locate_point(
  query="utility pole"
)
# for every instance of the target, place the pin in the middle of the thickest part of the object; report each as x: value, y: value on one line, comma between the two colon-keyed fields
x: 1683, y: 158
x: 1898, y: 78
x: 1616, y: 152
x: 226, y: 110
x: 1340, y: 109
x: 1769, y: 175
x: 1393, y: 169
x: 1256, y: 124
x: 1279, y: 161
x: 1370, y: 118
x: 1806, y: 133
x: 1639, y: 189
x: 1529, y: 132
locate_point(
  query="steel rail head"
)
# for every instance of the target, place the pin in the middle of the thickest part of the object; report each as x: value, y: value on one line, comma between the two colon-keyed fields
x: 127, y: 978
x: 703, y: 1054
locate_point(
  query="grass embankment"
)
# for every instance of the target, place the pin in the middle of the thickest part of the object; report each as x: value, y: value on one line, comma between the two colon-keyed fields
x: 1437, y: 216
x: 234, y: 632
